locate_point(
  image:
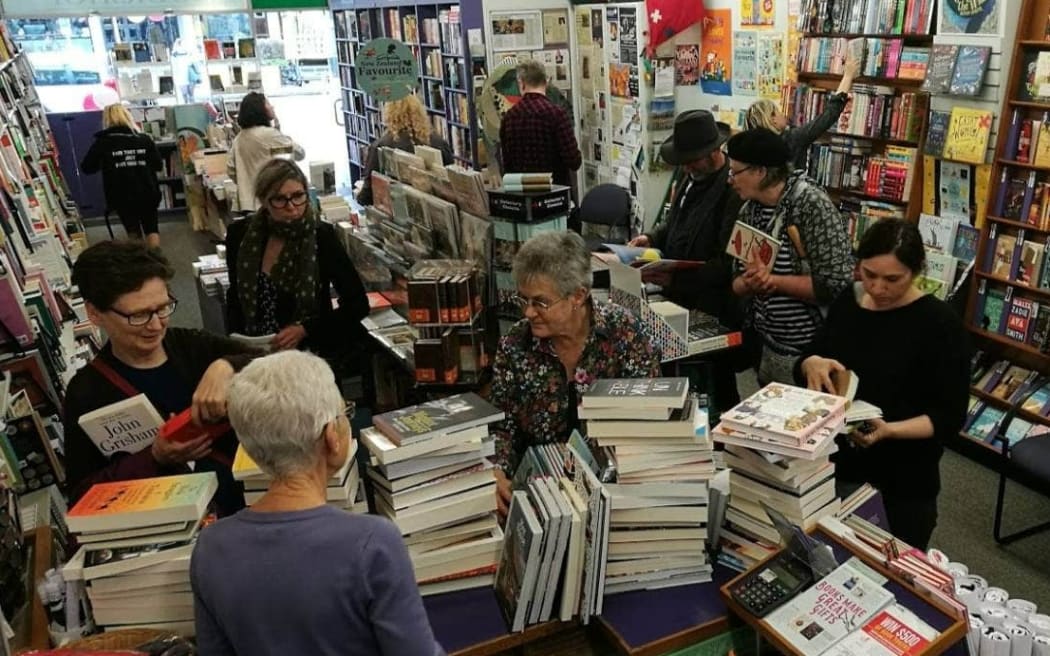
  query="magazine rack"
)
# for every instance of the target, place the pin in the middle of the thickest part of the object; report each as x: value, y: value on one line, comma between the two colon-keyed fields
x: 951, y: 628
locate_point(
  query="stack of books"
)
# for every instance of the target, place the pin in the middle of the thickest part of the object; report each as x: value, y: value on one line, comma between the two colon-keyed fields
x: 554, y: 557
x: 664, y: 460
x: 136, y: 539
x: 344, y: 488
x: 527, y: 182
x: 431, y: 476
x: 778, y: 443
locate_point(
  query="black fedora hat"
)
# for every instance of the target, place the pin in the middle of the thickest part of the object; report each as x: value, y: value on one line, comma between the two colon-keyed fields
x: 696, y: 133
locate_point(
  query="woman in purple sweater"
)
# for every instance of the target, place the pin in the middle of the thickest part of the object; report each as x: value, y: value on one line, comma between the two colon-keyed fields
x: 291, y: 574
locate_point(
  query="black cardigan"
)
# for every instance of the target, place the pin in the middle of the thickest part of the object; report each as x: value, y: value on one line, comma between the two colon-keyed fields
x: 191, y: 352
x: 330, y: 327
x: 911, y: 361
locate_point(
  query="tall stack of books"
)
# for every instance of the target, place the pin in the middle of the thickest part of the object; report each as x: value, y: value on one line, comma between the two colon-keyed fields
x: 136, y: 539
x: 778, y: 443
x: 663, y: 456
x: 344, y: 489
x: 432, y: 478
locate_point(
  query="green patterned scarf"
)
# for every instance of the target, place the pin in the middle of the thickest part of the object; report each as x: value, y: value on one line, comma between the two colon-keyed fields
x: 295, y: 272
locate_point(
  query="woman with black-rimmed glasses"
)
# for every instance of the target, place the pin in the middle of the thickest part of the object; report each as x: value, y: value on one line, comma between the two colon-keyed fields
x: 125, y: 289
x: 283, y: 264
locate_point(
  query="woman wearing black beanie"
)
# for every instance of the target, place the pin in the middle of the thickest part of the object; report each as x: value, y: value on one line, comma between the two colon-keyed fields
x: 787, y: 295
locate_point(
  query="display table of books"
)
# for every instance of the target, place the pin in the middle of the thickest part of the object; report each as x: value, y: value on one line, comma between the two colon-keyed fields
x: 860, y: 607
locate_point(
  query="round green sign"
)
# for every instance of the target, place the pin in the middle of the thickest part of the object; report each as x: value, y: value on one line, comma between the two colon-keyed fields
x: 386, y: 69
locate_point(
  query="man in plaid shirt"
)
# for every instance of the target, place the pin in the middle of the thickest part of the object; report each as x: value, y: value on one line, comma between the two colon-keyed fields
x: 536, y: 135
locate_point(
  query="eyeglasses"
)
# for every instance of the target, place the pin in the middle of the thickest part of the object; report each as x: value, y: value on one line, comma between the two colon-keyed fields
x: 737, y: 172
x: 538, y: 305
x: 144, y: 317
x: 298, y: 199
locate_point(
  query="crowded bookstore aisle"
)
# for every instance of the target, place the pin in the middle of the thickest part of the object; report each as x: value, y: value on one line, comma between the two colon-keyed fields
x: 663, y: 327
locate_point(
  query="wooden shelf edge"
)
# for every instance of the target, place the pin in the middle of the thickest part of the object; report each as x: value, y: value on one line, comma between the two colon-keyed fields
x: 1017, y: 224
x: 1038, y: 291
x: 1006, y: 341
x: 1012, y: 162
x: 995, y: 400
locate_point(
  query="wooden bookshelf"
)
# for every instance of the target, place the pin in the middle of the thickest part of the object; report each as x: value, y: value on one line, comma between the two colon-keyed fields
x: 829, y: 155
x: 436, y: 32
x: 1027, y: 415
x: 1031, y: 24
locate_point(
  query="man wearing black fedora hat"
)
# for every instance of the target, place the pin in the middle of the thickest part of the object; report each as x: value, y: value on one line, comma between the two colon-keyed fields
x: 703, y: 209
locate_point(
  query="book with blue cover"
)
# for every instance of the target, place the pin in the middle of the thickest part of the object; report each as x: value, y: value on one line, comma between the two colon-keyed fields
x: 971, y: 63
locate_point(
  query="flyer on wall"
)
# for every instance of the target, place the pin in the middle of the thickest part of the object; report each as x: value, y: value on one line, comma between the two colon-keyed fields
x: 715, y: 72
x: 628, y: 35
x: 513, y: 30
x: 745, y: 69
x: 555, y: 28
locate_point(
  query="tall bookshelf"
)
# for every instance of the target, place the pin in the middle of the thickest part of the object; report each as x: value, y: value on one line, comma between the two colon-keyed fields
x: 437, y: 34
x: 997, y: 281
x: 871, y: 160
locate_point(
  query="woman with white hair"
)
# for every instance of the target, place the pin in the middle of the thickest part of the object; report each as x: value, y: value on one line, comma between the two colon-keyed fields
x: 291, y: 574
x: 565, y: 342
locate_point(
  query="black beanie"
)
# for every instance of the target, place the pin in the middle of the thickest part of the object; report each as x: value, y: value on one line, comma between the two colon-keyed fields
x: 759, y: 147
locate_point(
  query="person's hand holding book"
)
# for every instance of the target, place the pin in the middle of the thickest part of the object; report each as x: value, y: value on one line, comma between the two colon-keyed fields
x: 879, y: 430
x: 818, y: 370
x: 503, y: 492
x: 170, y: 452
x: 209, y: 399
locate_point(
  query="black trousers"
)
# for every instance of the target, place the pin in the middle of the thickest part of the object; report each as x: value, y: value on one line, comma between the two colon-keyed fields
x: 138, y: 221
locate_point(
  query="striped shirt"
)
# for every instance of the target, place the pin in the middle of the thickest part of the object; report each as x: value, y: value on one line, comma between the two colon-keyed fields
x: 787, y: 324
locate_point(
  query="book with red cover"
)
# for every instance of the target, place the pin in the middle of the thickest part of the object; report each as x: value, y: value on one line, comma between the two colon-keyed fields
x: 181, y: 428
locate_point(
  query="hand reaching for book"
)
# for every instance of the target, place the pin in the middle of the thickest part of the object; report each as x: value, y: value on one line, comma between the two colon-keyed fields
x: 817, y: 371
x: 880, y: 431
x: 641, y: 241
x: 209, y: 399
x: 503, y: 492
x: 170, y: 452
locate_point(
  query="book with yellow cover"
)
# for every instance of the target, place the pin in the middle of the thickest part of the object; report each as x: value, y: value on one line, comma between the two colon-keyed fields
x: 1041, y: 153
x: 968, y: 133
x: 143, y: 502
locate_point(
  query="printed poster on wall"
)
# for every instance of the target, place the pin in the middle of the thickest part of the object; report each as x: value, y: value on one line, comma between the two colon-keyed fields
x: 513, y: 30
x: 628, y: 35
x: 612, y: 17
x: 717, y: 43
x: 596, y: 26
x: 555, y: 28
x: 584, y: 36
x: 979, y: 17
x: 770, y: 65
x: 745, y: 63
x: 686, y: 64
x: 663, y: 76
x: 757, y: 13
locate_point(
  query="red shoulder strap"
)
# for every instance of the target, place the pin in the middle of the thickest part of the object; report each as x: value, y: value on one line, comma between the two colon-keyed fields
x: 110, y: 374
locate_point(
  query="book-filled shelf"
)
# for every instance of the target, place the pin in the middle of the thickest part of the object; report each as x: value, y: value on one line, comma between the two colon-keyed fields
x: 437, y: 37
x: 1009, y: 306
x: 868, y: 159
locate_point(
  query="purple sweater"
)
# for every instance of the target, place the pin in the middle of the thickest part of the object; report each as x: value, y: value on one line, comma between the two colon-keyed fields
x: 319, y: 581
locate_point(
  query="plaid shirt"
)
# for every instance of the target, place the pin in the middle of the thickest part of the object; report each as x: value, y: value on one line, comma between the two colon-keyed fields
x: 536, y: 136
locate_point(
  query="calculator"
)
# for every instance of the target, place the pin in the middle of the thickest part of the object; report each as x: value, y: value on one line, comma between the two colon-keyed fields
x: 772, y: 584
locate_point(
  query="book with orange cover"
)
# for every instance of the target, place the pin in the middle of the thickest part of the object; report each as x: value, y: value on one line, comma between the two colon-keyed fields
x: 143, y: 502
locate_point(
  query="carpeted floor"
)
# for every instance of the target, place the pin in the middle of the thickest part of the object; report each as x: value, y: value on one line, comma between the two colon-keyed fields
x: 967, y: 501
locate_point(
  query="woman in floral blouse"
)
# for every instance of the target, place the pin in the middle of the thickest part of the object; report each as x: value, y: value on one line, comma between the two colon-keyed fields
x: 566, y: 341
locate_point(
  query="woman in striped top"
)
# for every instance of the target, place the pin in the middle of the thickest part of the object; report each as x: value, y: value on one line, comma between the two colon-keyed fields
x: 813, y: 265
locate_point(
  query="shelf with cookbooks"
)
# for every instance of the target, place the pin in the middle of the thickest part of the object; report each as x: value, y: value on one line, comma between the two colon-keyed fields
x: 436, y: 34
x: 1008, y: 310
x: 868, y: 160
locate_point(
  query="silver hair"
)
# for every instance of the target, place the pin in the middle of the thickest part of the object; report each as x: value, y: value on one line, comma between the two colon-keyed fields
x: 561, y: 257
x: 279, y: 406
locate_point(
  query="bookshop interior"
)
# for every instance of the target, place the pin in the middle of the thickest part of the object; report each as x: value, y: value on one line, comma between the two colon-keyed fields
x: 351, y: 326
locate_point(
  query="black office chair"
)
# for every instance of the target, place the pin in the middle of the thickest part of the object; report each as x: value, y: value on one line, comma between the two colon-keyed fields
x: 605, y: 216
x: 1029, y: 460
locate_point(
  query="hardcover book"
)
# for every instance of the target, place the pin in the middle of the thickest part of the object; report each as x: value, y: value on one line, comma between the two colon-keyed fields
x: 519, y: 562
x: 129, y: 425
x: 1031, y: 263
x: 966, y: 238
x: 937, y: 133
x: 636, y: 393
x: 1019, y: 322
x: 1004, y: 256
x: 940, y: 68
x: 968, y: 133
x: 143, y: 502
x: 786, y: 411
x: 747, y: 243
x: 938, y: 232
x: 422, y: 422
x: 971, y: 62
x: 835, y: 606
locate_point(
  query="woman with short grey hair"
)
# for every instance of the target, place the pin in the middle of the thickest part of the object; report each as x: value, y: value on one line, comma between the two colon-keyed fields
x: 291, y: 574
x: 565, y: 342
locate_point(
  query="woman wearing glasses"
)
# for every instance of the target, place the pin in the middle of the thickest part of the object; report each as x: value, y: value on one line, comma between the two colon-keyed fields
x: 565, y: 342
x: 125, y: 291
x: 283, y: 263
